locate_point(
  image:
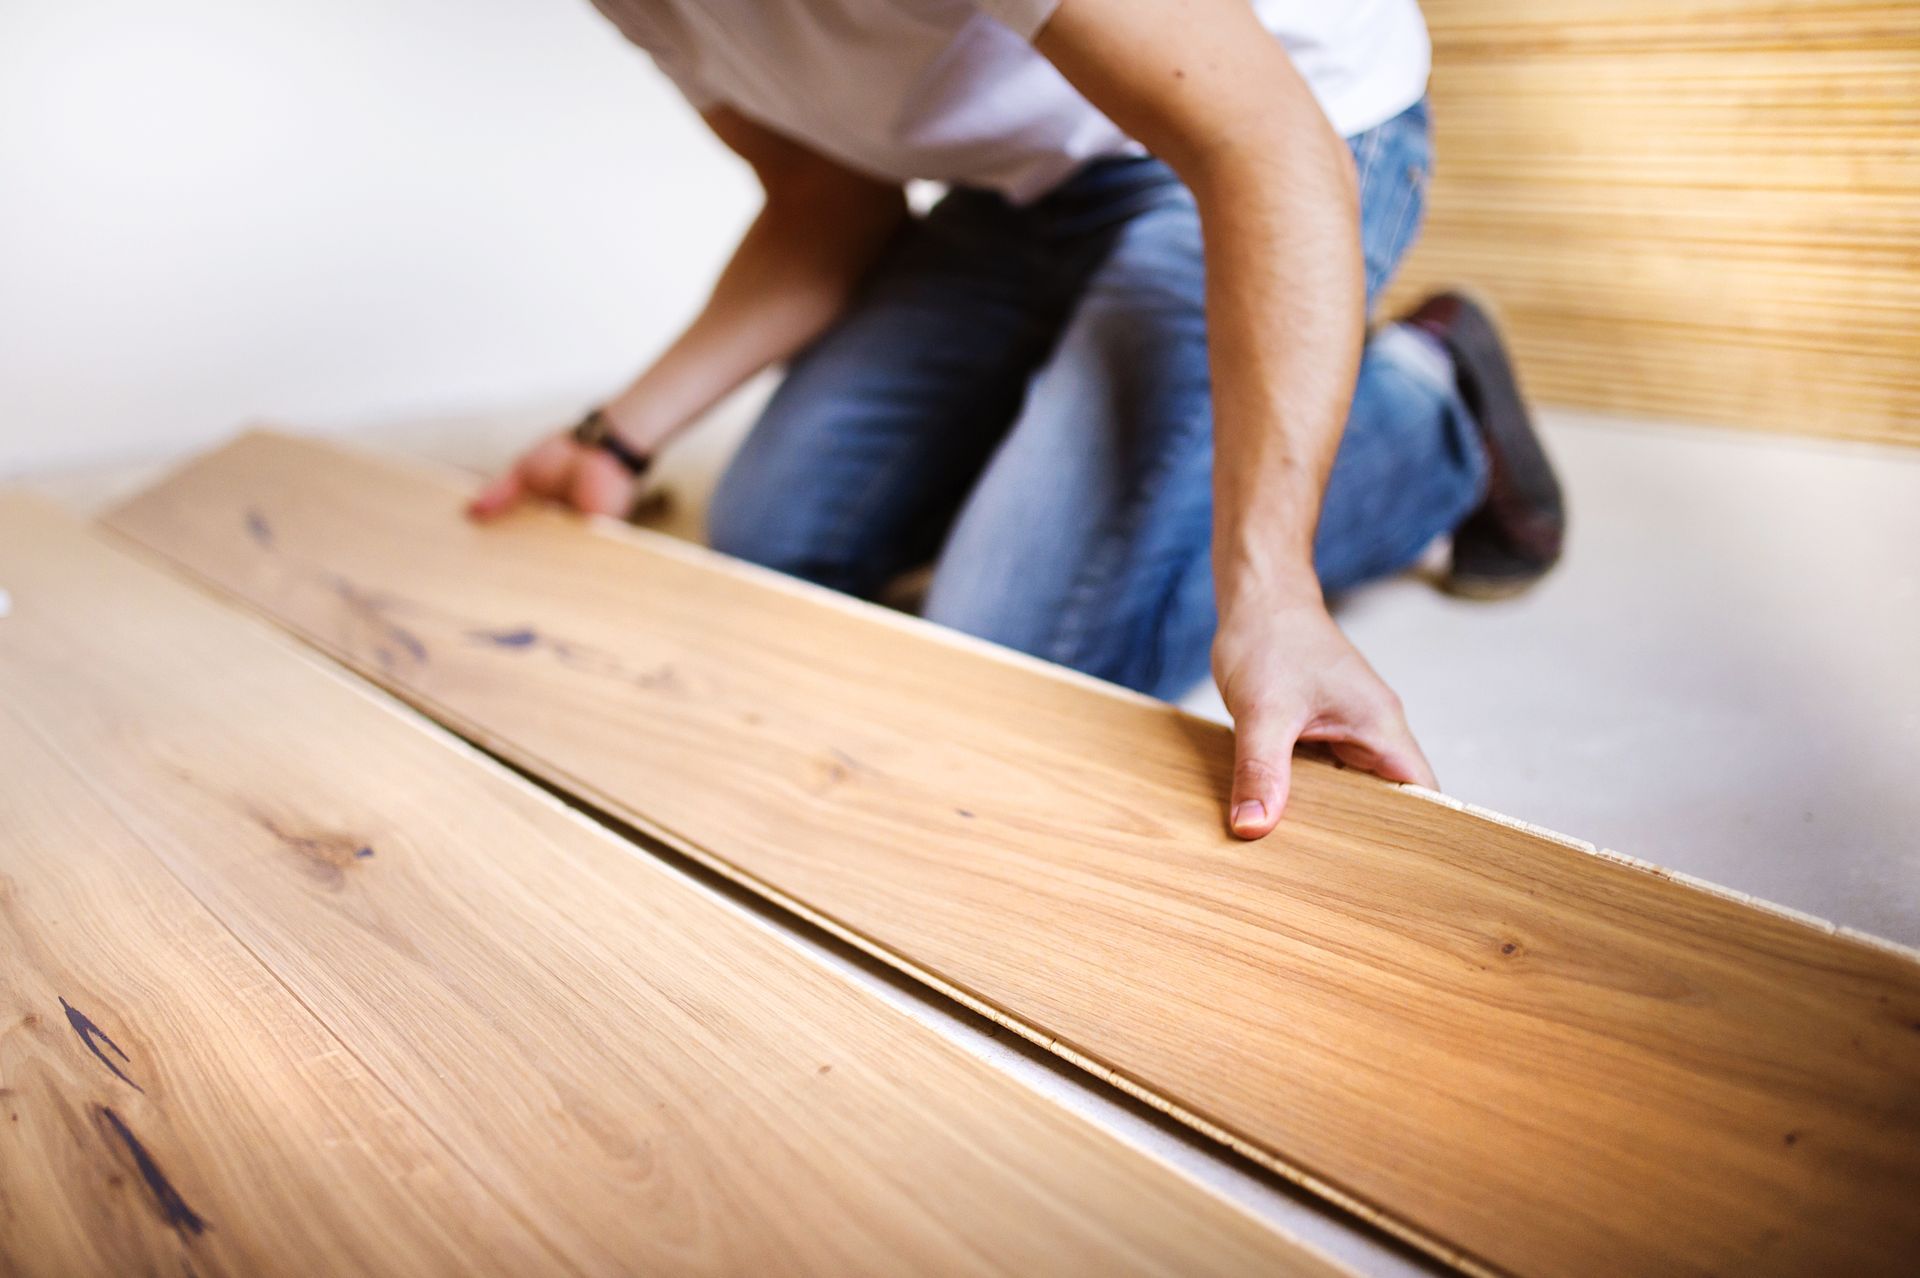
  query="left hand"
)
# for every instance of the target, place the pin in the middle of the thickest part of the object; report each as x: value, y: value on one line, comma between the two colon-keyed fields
x: 1288, y: 674
x: 559, y: 470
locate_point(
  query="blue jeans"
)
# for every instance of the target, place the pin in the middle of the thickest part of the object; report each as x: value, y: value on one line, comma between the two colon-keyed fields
x: 1020, y: 396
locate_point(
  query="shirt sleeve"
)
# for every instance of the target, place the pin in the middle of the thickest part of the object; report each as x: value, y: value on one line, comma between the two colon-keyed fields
x: 684, y: 79
x: 1024, y: 17
x: 658, y: 38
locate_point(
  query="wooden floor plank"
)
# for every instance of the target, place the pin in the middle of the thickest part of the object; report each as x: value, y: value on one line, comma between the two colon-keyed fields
x: 1515, y: 1052
x: 166, y: 1105
x: 656, y: 1081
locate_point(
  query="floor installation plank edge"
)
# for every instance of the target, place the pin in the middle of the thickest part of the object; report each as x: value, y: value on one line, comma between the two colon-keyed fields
x: 876, y: 614
x: 1505, y: 1046
x: 662, y: 1082
x: 1691, y: 882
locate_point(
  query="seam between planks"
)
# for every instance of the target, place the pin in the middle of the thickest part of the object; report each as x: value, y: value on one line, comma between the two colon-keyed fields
x: 598, y: 816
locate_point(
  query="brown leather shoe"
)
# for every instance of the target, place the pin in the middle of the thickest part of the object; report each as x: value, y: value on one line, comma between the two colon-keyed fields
x: 1515, y: 536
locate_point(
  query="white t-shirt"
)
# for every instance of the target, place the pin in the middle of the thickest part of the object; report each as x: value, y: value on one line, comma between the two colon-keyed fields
x: 952, y: 90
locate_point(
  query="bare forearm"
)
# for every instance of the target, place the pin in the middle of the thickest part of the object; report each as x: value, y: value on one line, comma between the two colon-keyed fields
x: 1214, y: 96
x: 821, y: 230
x: 1286, y: 313
x: 789, y: 278
x: 1218, y: 99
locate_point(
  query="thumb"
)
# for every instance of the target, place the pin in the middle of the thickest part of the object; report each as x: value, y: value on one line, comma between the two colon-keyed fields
x: 498, y: 497
x: 1262, y: 770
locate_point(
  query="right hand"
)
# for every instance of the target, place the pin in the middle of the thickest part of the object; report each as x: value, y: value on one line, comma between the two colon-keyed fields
x: 559, y: 470
x: 1288, y: 674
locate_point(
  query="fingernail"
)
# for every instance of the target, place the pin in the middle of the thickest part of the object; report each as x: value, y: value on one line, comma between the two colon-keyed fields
x: 1248, y: 813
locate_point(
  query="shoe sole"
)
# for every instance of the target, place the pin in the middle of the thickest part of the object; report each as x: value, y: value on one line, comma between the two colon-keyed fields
x: 1524, y: 518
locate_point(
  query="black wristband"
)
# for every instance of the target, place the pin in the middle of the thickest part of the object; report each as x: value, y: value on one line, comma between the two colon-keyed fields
x: 596, y: 431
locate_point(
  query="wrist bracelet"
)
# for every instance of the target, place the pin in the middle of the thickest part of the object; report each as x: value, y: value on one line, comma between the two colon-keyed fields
x: 596, y: 431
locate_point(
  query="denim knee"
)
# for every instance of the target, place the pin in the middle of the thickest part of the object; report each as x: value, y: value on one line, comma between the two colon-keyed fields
x: 741, y: 523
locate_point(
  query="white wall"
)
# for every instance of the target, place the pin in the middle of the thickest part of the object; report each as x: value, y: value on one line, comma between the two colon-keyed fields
x: 330, y: 211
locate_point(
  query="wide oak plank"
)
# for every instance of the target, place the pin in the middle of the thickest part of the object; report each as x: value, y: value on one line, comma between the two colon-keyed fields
x: 655, y: 1081
x: 1515, y: 1052
x: 166, y: 1105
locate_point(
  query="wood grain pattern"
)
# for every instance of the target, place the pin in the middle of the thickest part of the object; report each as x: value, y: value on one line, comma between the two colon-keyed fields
x: 1703, y: 209
x: 165, y: 1105
x: 652, y: 1081
x: 1517, y: 1053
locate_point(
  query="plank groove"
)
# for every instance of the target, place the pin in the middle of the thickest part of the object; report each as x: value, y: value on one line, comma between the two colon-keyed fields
x: 653, y: 1080
x: 1518, y: 1054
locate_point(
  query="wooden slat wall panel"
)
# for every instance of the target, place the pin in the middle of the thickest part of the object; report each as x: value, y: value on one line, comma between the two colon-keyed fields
x: 644, y: 1077
x: 1707, y: 209
x: 1514, y: 1052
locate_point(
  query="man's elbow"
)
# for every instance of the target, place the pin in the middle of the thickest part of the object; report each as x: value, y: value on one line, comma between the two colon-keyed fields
x: 1245, y: 152
x: 827, y: 196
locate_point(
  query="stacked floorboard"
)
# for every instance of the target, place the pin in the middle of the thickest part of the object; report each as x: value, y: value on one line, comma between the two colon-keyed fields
x: 298, y: 967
